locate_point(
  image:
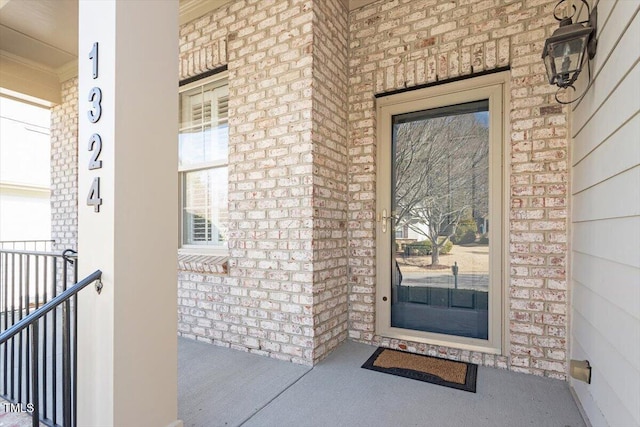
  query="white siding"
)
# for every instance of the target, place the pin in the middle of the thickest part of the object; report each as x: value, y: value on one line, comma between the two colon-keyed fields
x: 605, y: 216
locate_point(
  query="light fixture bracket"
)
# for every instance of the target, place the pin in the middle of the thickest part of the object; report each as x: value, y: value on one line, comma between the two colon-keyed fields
x: 593, y: 41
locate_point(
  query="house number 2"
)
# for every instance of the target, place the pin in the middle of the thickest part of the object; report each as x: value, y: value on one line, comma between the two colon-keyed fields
x: 95, y: 141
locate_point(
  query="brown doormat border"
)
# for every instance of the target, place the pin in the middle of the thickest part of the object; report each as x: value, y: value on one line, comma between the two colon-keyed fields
x: 470, y: 376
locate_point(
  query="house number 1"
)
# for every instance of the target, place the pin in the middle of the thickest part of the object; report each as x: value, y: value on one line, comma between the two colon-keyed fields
x: 95, y: 141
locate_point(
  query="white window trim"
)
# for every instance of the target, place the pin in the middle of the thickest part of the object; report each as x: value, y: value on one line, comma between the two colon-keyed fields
x: 495, y: 88
x: 184, y: 249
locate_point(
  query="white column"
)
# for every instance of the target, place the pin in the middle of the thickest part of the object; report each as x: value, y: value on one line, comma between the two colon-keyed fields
x: 127, y: 346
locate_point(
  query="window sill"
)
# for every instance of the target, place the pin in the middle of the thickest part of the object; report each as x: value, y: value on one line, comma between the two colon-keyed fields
x: 198, y: 263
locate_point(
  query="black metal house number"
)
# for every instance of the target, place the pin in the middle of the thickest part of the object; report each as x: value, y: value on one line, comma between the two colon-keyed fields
x: 95, y: 141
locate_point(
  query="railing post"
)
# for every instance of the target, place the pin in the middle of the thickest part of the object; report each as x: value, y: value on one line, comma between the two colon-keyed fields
x: 68, y: 377
x: 13, y: 320
x: 6, y: 318
x: 27, y: 282
x: 66, y: 365
x: 35, y: 390
x: 74, y: 400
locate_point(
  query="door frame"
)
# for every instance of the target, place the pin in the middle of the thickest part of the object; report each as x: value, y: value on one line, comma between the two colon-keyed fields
x: 495, y: 88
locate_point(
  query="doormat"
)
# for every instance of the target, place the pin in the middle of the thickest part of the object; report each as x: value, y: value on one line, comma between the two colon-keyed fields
x: 449, y: 373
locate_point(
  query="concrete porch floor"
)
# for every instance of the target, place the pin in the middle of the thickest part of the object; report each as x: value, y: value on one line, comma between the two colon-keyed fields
x: 223, y: 387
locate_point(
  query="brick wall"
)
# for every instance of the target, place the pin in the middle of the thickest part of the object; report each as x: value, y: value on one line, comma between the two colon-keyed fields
x: 400, y: 43
x: 64, y: 168
x: 285, y: 293
x: 329, y: 138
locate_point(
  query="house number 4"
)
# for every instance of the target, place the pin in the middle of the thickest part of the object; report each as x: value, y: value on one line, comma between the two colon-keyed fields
x: 95, y: 141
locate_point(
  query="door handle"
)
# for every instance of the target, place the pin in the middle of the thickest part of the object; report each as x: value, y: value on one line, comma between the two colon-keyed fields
x: 384, y: 220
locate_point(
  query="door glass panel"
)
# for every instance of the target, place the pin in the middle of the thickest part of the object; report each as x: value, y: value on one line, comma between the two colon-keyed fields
x: 440, y: 202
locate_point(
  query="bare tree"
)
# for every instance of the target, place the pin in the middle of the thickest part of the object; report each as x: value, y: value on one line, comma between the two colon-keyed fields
x: 440, y: 168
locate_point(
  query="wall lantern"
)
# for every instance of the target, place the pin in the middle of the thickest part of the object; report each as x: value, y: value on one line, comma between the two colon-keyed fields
x: 564, y: 52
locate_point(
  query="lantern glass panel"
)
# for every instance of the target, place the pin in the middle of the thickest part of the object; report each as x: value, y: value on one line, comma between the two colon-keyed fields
x: 563, y: 59
x: 568, y: 55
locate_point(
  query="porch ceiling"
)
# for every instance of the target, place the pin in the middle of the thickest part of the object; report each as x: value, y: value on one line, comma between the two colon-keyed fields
x: 45, y: 31
x: 38, y: 47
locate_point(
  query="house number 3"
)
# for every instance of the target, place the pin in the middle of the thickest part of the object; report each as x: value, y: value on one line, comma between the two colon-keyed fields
x: 95, y: 141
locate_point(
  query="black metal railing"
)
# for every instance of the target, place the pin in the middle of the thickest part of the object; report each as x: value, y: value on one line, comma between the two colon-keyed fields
x: 38, y: 343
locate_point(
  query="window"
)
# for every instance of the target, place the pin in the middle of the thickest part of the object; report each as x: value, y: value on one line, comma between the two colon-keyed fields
x: 203, y: 145
x: 440, y: 185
